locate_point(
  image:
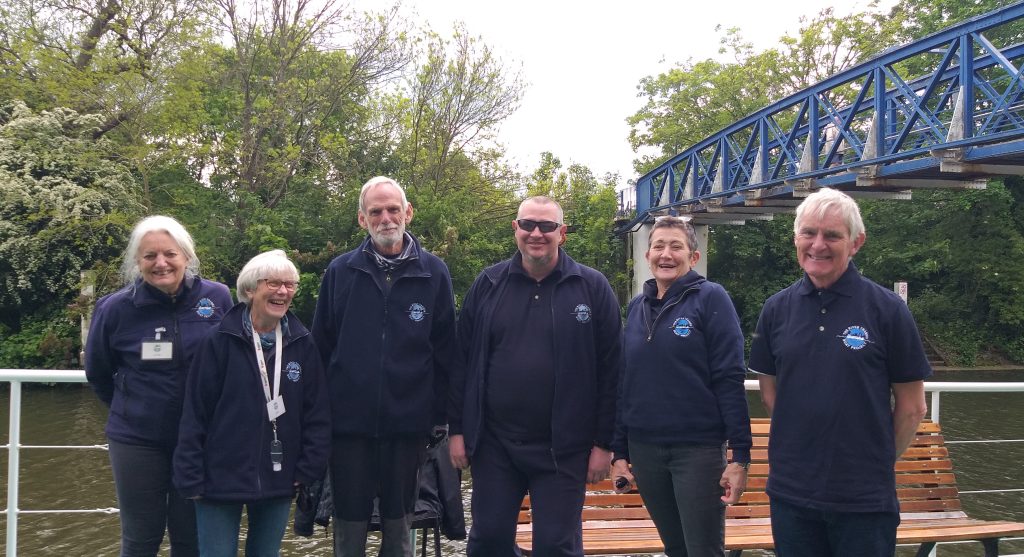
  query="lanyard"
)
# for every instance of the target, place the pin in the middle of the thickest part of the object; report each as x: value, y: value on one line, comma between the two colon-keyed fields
x: 263, y: 364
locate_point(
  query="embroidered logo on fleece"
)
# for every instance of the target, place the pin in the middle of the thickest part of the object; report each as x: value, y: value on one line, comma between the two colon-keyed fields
x: 417, y: 312
x: 582, y: 313
x: 294, y: 371
x: 682, y: 327
x: 205, y: 308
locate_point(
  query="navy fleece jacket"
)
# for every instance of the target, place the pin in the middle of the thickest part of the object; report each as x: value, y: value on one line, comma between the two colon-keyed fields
x: 683, y: 377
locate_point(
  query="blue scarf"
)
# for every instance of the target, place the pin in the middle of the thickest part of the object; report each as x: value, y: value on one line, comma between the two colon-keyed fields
x: 266, y: 339
x: 388, y: 264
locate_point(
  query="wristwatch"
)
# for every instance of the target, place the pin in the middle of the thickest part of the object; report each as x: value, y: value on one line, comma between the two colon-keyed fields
x: 744, y: 465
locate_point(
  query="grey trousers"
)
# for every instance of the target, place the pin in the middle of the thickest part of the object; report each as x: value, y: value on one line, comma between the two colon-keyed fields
x: 679, y: 486
x: 150, y: 504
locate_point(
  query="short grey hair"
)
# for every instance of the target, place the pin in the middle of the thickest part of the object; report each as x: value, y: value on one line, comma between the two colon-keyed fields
x: 826, y: 200
x: 544, y: 200
x: 680, y: 223
x: 273, y: 263
x: 376, y: 181
x: 157, y: 223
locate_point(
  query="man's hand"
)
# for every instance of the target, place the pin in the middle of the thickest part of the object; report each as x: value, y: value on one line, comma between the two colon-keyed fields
x: 457, y: 452
x: 620, y: 469
x: 734, y: 481
x: 600, y: 463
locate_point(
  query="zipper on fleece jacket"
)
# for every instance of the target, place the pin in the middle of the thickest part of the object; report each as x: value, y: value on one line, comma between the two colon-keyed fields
x: 386, y: 291
x: 652, y: 325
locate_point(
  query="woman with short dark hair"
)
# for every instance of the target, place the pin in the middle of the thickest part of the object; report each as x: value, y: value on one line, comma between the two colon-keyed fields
x: 681, y: 398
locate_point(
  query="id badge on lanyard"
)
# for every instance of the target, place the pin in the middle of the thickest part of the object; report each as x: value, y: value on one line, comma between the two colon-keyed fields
x: 156, y: 348
x: 275, y: 403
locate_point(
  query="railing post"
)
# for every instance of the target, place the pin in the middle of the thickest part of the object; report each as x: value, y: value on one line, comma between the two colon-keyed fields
x: 13, y: 463
x: 936, y: 397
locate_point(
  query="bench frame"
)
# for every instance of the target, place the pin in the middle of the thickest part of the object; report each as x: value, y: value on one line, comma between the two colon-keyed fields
x: 930, y: 509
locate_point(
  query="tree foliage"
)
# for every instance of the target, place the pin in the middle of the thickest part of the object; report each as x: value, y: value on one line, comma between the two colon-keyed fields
x: 63, y: 206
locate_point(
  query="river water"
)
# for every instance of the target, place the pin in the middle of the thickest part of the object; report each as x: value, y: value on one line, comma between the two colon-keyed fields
x: 81, y: 479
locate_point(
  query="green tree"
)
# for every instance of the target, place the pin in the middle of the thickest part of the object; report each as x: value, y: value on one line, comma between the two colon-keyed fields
x: 112, y: 58
x: 65, y: 207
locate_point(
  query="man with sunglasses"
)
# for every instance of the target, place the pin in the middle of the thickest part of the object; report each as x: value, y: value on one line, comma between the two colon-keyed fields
x: 535, y: 410
x: 385, y: 327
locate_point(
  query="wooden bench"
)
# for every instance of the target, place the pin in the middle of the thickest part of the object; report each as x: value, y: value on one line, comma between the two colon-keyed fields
x: 930, y: 507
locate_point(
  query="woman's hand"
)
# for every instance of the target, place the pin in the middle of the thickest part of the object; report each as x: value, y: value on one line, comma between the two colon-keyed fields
x: 620, y: 471
x: 734, y: 481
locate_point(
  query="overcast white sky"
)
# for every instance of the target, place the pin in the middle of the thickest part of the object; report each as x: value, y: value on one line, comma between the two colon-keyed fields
x: 582, y: 60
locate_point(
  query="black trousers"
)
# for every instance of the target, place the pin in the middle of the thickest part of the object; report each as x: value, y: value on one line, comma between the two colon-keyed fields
x: 503, y: 472
x: 364, y: 468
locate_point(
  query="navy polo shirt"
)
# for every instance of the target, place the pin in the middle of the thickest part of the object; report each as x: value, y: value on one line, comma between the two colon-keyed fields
x: 521, y: 371
x: 834, y: 353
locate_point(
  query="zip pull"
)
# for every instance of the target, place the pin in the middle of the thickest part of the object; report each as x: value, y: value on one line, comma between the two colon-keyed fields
x: 159, y: 331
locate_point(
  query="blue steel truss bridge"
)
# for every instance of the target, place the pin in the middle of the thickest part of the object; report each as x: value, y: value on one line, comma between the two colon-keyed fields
x: 946, y: 111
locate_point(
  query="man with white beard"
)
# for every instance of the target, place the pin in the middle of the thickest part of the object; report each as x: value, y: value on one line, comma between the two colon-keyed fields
x: 385, y: 328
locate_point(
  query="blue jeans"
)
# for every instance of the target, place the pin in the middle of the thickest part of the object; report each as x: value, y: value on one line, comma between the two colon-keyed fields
x: 680, y: 488
x: 219, y: 523
x: 149, y: 504
x: 804, y: 532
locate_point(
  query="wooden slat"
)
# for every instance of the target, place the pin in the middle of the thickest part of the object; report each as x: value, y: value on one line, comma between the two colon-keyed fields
x: 928, y: 505
x: 926, y: 478
x: 921, y: 465
x: 621, y: 513
x: 914, y: 493
x: 613, y: 499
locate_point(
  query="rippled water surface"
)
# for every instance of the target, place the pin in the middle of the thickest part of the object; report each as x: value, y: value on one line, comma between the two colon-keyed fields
x: 81, y: 479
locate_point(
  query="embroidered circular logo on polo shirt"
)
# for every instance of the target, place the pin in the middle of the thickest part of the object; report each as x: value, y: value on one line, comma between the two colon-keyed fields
x: 582, y: 313
x: 682, y: 327
x: 205, y: 308
x: 417, y: 312
x: 855, y: 337
x: 294, y: 371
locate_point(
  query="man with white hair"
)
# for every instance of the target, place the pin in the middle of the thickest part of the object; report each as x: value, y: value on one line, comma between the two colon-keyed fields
x: 385, y: 328
x: 831, y: 350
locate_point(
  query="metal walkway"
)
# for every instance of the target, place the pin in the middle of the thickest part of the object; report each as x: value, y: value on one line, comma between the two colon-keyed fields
x: 952, y: 115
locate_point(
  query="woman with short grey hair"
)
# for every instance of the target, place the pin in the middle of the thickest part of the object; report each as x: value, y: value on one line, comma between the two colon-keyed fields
x: 256, y: 425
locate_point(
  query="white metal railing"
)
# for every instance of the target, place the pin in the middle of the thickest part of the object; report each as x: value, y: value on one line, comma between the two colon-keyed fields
x: 18, y: 376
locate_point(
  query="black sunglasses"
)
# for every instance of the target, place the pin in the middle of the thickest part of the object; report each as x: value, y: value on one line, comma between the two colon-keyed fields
x: 545, y: 226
